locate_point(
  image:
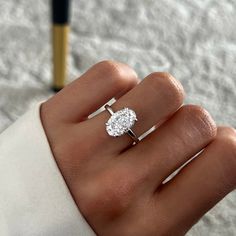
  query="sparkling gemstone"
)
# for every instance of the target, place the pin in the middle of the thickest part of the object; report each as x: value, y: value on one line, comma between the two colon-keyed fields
x: 120, y: 122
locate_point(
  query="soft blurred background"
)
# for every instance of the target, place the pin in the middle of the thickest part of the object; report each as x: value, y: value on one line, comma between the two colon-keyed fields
x: 193, y: 40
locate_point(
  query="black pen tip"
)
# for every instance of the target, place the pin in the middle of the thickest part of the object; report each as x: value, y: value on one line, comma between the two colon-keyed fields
x: 60, y: 11
x: 56, y: 89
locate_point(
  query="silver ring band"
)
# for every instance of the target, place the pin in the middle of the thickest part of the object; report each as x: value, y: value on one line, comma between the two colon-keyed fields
x: 133, y: 136
x: 109, y: 109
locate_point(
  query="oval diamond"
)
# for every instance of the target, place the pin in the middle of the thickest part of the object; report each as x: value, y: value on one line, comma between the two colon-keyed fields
x: 120, y: 122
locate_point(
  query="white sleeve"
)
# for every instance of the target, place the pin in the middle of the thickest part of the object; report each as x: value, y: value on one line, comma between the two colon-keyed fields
x: 34, y: 198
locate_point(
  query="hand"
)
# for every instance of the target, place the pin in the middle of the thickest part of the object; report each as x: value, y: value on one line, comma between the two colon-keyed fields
x: 118, y: 187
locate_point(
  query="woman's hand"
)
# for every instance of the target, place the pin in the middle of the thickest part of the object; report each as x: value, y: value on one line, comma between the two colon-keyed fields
x: 118, y: 187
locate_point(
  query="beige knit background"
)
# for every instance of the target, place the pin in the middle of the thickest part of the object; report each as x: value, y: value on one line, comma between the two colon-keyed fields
x: 193, y: 40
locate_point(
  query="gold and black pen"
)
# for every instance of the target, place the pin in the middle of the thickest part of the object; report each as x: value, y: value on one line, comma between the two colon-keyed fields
x: 60, y: 34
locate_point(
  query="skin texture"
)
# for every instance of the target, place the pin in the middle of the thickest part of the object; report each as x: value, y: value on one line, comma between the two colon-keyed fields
x: 118, y: 187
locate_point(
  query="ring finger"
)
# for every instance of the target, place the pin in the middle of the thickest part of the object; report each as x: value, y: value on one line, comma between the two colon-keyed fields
x: 157, y: 97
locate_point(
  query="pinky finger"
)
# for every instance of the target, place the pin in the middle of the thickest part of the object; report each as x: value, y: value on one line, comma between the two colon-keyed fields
x: 200, y: 184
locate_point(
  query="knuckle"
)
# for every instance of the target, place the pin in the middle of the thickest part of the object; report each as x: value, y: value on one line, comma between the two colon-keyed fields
x: 200, y: 120
x: 194, y: 111
x: 225, y: 131
x: 225, y: 144
x: 227, y: 140
x: 230, y: 144
x: 114, y: 71
x: 163, y: 81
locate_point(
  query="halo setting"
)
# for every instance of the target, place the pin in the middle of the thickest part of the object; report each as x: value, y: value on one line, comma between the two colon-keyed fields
x: 121, y: 122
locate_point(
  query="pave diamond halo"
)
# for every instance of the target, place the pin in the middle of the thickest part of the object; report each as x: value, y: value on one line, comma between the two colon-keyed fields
x: 121, y: 122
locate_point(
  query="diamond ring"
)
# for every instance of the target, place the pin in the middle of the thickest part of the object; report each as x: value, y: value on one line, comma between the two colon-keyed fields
x: 121, y: 123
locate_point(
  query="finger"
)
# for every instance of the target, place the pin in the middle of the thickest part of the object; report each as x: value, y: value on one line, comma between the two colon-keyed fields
x: 158, y: 96
x: 202, y: 183
x: 103, y: 81
x: 171, y: 145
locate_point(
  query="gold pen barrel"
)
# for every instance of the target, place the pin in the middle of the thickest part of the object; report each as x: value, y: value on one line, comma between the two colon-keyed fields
x: 60, y: 33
